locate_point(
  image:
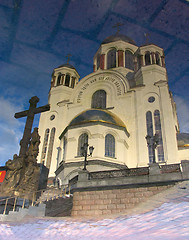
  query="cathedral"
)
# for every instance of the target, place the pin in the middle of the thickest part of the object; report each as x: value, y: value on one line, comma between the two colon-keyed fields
x: 120, y: 116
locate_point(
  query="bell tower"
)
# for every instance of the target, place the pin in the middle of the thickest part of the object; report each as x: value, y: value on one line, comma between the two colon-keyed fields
x: 65, y: 75
x: 64, y: 80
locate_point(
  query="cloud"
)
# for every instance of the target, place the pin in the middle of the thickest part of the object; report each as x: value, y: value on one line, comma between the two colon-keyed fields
x: 10, y: 129
x: 7, y: 111
x: 9, y: 144
x: 183, y: 113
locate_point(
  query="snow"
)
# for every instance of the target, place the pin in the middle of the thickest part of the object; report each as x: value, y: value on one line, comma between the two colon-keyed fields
x: 169, y: 221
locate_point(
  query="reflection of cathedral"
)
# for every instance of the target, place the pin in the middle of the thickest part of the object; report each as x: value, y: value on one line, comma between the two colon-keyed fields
x: 113, y: 109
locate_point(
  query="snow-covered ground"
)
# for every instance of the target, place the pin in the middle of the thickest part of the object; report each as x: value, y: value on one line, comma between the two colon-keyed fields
x: 168, y: 221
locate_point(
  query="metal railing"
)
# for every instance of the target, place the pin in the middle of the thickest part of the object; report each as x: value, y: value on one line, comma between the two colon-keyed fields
x: 52, y: 193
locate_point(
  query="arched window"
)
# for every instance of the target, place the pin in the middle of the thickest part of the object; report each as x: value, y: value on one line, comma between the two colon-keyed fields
x: 129, y: 63
x: 98, y: 61
x: 160, y: 150
x: 45, y: 143
x: 158, y: 131
x: 83, y: 138
x: 64, y: 148
x: 157, y: 59
x: 111, y: 59
x: 73, y: 82
x: 139, y: 62
x: 50, y: 149
x: 149, y: 125
x: 99, y: 99
x: 58, y: 80
x: 59, y: 151
x: 67, y: 80
x: 110, y: 146
x: 147, y: 58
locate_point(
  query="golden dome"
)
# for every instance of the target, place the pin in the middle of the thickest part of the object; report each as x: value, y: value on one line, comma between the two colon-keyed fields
x: 97, y: 115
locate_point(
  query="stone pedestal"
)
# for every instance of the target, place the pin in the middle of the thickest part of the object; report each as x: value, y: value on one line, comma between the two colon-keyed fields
x: 185, y: 169
x: 83, y: 176
x: 154, y: 169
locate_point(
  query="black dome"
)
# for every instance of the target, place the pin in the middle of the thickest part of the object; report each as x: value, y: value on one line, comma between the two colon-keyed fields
x: 66, y: 65
x: 117, y: 37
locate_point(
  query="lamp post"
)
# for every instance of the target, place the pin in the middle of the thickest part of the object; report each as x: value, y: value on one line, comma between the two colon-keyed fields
x: 84, y: 150
x: 152, y: 141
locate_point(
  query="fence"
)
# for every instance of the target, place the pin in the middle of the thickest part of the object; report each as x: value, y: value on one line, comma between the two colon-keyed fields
x: 14, y: 202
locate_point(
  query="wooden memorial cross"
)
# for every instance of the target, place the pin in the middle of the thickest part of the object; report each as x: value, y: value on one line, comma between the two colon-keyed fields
x: 30, y: 113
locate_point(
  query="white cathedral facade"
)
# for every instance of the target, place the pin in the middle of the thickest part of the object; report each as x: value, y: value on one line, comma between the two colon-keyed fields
x: 113, y: 109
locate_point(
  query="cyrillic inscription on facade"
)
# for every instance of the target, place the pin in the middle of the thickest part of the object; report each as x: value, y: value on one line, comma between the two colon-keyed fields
x: 102, y: 78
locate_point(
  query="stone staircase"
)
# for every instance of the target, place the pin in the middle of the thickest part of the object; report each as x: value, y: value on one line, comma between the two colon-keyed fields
x: 35, y: 211
x: 52, y: 202
x: 58, y: 201
x: 60, y: 207
x: 53, y: 193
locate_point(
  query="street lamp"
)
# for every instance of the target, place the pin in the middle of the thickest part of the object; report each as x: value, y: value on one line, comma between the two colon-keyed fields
x: 152, y: 141
x: 84, y: 150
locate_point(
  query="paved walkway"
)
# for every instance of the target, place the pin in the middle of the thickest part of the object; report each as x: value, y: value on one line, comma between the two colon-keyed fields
x: 164, y: 216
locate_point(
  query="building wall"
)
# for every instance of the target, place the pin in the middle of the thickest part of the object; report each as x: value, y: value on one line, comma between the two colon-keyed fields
x: 154, y: 79
x: 129, y: 103
x: 113, y: 201
x: 183, y: 154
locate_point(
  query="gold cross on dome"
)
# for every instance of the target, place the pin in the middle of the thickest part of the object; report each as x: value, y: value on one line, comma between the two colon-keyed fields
x: 68, y: 56
x: 118, y: 25
x: 147, y: 36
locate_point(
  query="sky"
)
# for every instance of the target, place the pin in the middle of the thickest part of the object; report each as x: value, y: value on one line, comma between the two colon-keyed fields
x: 36, y: 36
